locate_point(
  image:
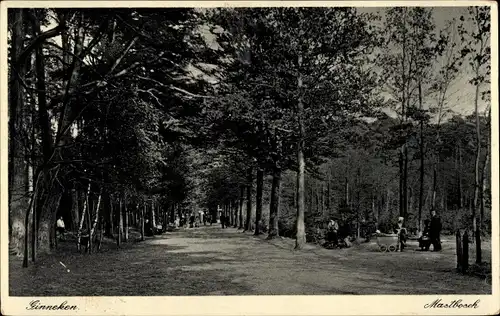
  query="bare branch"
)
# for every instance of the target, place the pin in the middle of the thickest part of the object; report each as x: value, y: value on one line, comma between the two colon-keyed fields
x: 38, y: 40
x: 119, y: 59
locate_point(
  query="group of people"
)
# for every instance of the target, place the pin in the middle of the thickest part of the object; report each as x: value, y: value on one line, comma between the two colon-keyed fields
x: 194, y: 220
x: 224, y: 220
x: 431, y: 234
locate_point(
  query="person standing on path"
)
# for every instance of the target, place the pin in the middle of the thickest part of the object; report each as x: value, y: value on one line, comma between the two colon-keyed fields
x: 191, y: 221
x: 332, y: 235
x: 435, y: 231
x: 222, y: 220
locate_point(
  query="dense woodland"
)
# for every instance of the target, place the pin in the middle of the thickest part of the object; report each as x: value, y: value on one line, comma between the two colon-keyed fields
x: 281, y: 117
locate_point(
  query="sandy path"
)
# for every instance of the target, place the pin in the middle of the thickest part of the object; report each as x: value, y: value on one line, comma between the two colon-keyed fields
x: 212, y: 261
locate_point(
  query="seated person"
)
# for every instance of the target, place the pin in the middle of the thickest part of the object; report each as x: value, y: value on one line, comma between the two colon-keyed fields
x: 424, y: 241
x: 60, y: 227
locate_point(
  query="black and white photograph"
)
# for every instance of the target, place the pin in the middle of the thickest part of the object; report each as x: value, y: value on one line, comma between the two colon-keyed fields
x: 260, y: 150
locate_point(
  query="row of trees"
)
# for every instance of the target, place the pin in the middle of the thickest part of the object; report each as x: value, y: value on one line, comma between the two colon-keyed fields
x: 105, y: 112
x: 291, y: 101
x: 89, y: 117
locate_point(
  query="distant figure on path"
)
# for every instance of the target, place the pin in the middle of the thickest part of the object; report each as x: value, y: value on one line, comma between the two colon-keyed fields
x: 435, y: 231
x: 191, y: 221
x: 60, y: 227
x: 223, y: 220
x: 204, y: 219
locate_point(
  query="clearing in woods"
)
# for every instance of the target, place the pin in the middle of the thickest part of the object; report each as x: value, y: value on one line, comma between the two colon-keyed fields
x: 212, y: 261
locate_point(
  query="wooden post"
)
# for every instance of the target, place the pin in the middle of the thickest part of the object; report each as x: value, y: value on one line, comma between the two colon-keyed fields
x: 465, y: 253
x: 459, y: 250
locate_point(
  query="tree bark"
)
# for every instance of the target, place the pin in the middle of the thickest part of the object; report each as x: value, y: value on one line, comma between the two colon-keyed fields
x: 82, y: 219
x: 401, y: 185
x: 89, y: 228
x: 422, y: 170
x: 111, y: 216
x: 126, y: 220
x: 477, y: 175
x: 248, y: 223
x: 18, y: 202
x: 242, y: 198
x: 28, y: 211
x: 258, y: 210
x: 120, y: 223
x: 153, y: 217
x: 143, y: 211
x: 300, y: 237
x: 460, y: 186
x: 96, y: 220
x: 434, y: 187
x: 483, y: 187
x: 75, y: 209
x: 405, y: 182
x: 275, y: 204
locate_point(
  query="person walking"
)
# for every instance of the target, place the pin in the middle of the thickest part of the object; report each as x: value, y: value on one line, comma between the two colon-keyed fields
x: 435, y: 231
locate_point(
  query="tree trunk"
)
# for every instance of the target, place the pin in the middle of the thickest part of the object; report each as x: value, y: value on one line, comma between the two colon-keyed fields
x: 434, y: 186
x: 89, y: 228
x: 153, y: 217
x: 143, y: 211
x: 229, y: 215
x: 422, y: 158
x: 483, y: 187
x: 405, y: 182
x: 242, y: 197
x: 28, y: 211
x: 248, y: 224
x: 275, y: 204
x: 18, y: 202
x: 388, y: 202
x: 401, y: 185
x: 75, y: 209
x: 258, y: 210
x: 96, y: 219
x: 126, y: 220
x: 300, y: 237
x: 477, y: 178
x: 111, y: 217
x: 328, y: 195
x: 82, y: 218
x: 120, y: 223
x: 460, y: 186
x: 422, y: 179
x: 235, y: 213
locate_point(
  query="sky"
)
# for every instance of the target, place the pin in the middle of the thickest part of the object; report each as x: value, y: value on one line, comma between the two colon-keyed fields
x: 461, y: 93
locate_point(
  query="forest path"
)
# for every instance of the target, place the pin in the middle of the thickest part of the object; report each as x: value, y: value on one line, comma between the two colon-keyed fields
x: 214, y: 261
